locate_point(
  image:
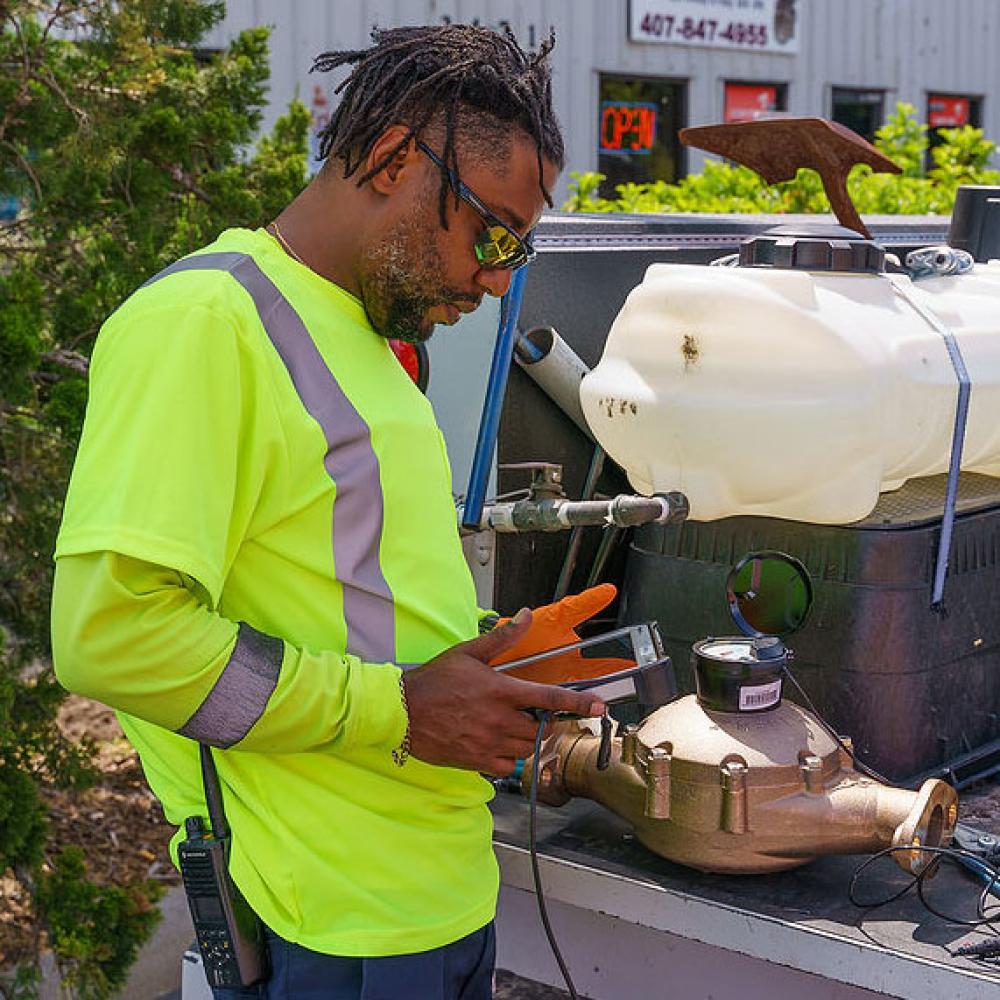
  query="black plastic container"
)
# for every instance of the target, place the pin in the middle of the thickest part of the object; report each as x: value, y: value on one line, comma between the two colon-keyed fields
x: 915, y: 689
x: 975, y: 221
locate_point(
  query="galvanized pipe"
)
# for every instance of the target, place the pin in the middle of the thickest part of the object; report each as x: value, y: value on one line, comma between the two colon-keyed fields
x: 559, y: 514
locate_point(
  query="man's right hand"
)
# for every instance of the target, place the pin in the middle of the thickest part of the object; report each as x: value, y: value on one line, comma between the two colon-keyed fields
x: 465, y: 714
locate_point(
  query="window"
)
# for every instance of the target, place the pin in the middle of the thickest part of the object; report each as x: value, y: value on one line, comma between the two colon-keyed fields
x: 638, y: 122
x: 743, y: 102
x: 860, y: 110
x: 950, y: 111
x: 953, y: 111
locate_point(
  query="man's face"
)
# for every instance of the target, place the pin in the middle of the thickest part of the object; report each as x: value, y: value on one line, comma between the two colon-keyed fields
x: 417, y: 274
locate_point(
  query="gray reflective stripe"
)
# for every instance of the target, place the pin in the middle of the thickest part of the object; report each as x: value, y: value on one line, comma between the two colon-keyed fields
x: 350, y: 460
x: 241, y: 692
x: 200, y: 262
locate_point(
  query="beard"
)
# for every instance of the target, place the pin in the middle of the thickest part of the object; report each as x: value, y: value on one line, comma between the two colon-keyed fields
x: 401, y: 278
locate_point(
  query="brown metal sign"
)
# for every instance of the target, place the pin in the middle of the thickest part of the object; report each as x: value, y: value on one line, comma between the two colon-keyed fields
x: 777, y: 147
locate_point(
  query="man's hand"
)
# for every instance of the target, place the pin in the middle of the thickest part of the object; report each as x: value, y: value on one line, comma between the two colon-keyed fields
x: 464, y: 714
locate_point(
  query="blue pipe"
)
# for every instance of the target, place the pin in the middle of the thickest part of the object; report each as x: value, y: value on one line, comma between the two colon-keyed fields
x: 496, y: 387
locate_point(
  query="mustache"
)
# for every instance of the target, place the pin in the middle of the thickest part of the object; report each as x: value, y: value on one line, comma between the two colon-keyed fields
x: 455, y: 298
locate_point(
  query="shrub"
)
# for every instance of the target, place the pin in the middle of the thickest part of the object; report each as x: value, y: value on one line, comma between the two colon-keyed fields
x: 962, y: 157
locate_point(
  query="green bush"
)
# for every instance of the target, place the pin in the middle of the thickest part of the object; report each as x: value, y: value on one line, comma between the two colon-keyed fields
x: 94, y: 930
x: 126, y: 147
x: 963, y: 157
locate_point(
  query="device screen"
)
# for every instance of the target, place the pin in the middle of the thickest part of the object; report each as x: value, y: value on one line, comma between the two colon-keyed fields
x: 617, y: 652
x: 207, y: 908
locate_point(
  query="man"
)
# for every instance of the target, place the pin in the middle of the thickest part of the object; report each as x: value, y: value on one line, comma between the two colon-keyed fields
x: 260, y: 535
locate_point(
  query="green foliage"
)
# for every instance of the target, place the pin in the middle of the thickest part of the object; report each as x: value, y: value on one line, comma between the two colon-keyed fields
x: 95, y: 931
x: 127, y: 147
x: 904, y: 140
x: 583, y: 193
x: 23, y: 984
x: 962, y: 157
x: 22, y: 822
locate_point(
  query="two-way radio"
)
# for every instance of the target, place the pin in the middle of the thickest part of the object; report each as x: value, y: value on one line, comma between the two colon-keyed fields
x: 230, y: 935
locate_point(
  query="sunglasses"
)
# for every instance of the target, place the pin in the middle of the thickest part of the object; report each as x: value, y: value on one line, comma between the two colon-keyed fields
x: 497, y: 245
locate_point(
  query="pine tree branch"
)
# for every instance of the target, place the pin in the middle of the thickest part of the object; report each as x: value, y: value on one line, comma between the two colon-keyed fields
x: 25, y: 166
x: 21, y: 97
x: 71, y: 360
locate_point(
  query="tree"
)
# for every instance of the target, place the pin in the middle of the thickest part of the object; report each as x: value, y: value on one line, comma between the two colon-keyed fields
x: 123, y: 146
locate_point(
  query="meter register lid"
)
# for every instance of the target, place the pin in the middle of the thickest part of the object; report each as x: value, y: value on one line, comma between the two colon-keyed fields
x: 769, y: 594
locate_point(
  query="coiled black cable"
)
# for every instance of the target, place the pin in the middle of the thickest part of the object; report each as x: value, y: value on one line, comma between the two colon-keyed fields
x: 956, y: 855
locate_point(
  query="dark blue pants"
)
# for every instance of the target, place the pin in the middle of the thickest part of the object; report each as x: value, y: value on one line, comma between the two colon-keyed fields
x: 459, y: 971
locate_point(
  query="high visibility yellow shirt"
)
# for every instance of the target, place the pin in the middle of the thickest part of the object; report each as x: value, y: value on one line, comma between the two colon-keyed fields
x: 259, y: 533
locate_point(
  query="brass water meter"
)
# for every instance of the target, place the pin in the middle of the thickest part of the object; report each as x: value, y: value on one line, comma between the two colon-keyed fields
x: 736, y: 778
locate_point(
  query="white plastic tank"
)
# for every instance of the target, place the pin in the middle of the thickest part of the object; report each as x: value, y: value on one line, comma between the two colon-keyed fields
x: 792, y: 392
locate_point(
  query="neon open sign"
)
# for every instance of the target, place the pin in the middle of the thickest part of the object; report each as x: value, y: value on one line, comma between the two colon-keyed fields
x: 627, y: 128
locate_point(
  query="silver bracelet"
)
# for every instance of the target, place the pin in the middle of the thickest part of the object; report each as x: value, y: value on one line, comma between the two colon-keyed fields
x: 402, y: 753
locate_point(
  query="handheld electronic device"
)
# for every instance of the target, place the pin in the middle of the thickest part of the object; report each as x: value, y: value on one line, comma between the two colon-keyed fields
x: 642, y: 671
x: 230, y: 935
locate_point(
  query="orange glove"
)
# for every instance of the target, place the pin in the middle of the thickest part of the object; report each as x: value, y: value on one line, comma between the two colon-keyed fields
x: 554, y: 625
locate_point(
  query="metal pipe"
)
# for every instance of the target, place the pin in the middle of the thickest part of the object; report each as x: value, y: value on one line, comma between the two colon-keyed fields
x: 489, y: 422
x: 559, y: 514
x: 603, y: 554
x: 576, y: 535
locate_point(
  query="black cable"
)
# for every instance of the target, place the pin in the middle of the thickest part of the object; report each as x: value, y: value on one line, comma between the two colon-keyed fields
x: 859, y: 764
x: 533, y: 848
x: 938, y: 854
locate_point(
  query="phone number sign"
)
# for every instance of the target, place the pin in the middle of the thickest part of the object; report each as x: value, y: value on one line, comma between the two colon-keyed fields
x: 748, y: 25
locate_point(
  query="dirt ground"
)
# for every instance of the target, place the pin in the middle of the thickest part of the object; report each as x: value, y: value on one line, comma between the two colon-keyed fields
x: 121, y: 829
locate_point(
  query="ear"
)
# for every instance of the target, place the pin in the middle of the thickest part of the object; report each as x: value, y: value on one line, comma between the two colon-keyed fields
x: 403, y: 165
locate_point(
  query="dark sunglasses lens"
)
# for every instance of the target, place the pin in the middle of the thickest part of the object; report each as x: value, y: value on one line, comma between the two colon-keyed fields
x: 498, y: 247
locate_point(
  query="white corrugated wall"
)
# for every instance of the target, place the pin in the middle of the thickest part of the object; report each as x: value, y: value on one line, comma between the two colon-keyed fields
x: 905, y: 47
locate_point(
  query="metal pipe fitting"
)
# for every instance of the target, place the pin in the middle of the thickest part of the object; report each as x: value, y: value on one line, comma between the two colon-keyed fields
x: 559, y: 514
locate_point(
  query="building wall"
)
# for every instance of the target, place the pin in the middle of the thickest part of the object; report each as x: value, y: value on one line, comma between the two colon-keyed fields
x: 908, y: 48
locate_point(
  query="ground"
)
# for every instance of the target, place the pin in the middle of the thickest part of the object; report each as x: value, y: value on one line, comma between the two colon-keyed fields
x: 121, y: 829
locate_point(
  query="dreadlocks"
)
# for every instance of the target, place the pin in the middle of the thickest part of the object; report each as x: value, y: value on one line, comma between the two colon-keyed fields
x: 471, y: 77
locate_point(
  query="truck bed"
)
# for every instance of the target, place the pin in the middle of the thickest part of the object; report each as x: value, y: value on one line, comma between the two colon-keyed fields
x: 632, y: 924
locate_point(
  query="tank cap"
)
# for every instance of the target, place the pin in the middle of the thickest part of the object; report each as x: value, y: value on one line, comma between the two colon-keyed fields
x: 827, y: 248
